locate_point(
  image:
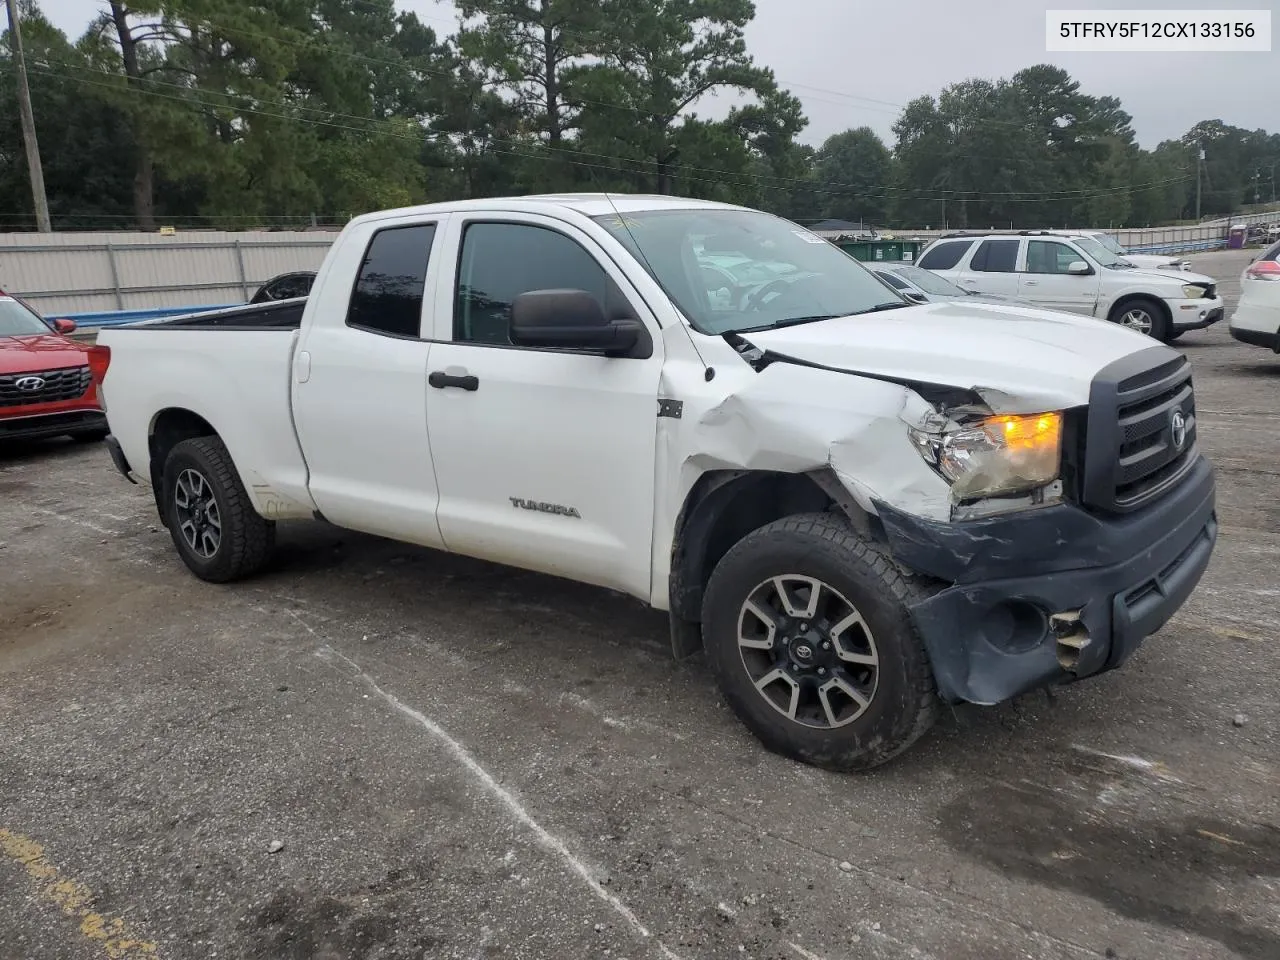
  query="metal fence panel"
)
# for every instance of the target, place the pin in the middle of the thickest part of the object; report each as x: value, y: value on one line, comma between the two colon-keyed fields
x: 87, y: 272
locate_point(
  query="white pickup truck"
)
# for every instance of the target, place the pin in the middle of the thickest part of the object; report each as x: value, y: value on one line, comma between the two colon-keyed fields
x: 858, y: 507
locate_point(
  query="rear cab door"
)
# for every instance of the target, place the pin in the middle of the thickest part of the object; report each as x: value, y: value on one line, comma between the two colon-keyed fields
x: 992, y: 267
x: 948, y: 258
x: 544, y: 457
x: 1047, y: 281
x: 359, y: 385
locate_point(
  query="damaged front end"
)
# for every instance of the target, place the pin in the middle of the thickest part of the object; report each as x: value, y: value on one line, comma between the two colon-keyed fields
x: 1038, y: 579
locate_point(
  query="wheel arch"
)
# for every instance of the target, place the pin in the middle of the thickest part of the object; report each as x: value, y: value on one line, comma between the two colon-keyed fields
x: 1122, y: 302
x: 169, y: 427
x: 721, y: 508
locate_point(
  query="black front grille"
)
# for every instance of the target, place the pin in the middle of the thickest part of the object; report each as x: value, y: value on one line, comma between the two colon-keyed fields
x: 1141, y: 430
x: 43, y: 386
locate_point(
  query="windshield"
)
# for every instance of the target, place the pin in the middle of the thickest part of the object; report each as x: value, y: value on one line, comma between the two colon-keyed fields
x: 17, y: 321
x: 930, y: 282
x: 1100, y: 253
x: 730, y: 271
x: 1110, y: 242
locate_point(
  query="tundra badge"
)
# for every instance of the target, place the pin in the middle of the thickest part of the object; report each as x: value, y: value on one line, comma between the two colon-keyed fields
x: 522, y: 504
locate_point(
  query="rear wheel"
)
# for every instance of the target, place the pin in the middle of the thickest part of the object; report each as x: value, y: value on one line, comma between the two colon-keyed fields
x: 218, y: 534
x: 1143, y: 316
x: 807, y: 630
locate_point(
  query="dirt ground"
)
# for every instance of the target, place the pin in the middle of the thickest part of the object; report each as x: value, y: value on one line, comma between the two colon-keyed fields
x: 379, y: 752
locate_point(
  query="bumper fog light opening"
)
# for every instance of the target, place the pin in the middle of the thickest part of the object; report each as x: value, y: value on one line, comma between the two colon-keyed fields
x: 1071, y: 637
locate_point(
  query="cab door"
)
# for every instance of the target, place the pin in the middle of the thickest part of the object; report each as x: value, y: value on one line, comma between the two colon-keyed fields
x: 1047, y: 281
x: 359, y: 387
x: 544, y: 457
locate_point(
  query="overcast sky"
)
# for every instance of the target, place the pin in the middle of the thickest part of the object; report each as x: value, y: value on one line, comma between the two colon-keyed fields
x: 854, y: 62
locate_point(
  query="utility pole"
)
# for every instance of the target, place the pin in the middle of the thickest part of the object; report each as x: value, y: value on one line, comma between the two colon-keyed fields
x: 1199, y: 164
x: 38, y: 197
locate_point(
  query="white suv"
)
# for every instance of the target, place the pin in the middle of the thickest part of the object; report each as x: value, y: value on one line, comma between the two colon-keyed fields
x: 1143, y: 261
x: 1257, y: 317
x: 1076, y: 274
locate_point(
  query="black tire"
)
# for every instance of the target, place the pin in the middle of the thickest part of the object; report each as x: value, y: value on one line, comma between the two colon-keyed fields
x: 1174, y: 335
x: 244, y: 539
x: 1159, y: 323
x: 904, y: 702
x: 90, y: 436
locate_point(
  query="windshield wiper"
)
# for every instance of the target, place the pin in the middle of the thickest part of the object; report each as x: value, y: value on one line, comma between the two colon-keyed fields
x: 881, y: 306
x: 790, y: 322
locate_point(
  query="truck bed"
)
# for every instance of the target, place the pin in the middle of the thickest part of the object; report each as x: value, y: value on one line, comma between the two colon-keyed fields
x: 232, y: 369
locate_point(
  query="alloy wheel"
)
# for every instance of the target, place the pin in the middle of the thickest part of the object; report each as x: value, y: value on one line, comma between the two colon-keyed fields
x: 808, y: 651
x: 199, y: 519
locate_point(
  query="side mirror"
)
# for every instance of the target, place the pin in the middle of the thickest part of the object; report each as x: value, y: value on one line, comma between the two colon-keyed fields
x: 570, y: 319
x: 915, y: 297
x: 63, y: 325
x: 1079, y: 268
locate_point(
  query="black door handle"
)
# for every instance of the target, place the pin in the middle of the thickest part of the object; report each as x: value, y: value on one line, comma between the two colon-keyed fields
x: 439, y: 379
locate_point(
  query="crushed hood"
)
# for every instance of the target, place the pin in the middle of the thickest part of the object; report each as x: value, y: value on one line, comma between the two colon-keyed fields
x: 1018, y: 360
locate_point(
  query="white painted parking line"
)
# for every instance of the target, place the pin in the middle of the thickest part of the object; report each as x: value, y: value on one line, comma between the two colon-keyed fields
x: 544, y: 837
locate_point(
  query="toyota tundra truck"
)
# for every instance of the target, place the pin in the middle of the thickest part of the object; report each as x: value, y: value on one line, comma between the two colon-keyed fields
x: 858, y: 508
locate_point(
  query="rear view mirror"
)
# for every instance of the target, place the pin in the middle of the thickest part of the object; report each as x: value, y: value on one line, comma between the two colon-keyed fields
x: 1079, y: 268
x: 570, y: 319
x: 63, y: 325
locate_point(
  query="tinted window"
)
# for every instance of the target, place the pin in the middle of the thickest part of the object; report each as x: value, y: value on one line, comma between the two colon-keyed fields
x: 388, y: 293
x: 945, y: 255
x: 997, y: 256
x: 1049, y: 256
x: 500, y: 261
x: 891, y: 279
x: 1272, y: 254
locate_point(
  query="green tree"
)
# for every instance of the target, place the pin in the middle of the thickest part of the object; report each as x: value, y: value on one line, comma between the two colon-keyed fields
x: 84, y: 143
x: 853, y: 173
x: 658, y: 61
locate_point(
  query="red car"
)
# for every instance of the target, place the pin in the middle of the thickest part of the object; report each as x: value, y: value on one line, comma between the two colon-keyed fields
x: 48, y: 382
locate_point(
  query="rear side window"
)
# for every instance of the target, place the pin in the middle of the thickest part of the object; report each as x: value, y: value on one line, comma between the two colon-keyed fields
x: 1272, y: 254
x: 388, y: 294
x: 996, y: 256
x: 945, y: 255
x: 893, y: 281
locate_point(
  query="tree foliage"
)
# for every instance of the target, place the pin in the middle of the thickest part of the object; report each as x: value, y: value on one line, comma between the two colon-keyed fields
x: 226, y: 113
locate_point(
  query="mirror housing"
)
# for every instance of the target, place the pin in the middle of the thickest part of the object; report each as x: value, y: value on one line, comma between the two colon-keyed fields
x: 570, y: 320
x: 1078, y: 268
x: 915, y: 297
x: 63, y: 325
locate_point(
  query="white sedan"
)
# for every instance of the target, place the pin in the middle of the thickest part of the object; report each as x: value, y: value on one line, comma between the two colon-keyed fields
x: 1257, y: 317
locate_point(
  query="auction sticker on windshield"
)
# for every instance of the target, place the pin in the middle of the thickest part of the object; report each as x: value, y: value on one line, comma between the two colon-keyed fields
x: 1158, y: 31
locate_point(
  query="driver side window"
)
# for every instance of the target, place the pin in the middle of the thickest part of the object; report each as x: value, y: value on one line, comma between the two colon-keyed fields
x: 1050, y: 256
x: 500, y: 261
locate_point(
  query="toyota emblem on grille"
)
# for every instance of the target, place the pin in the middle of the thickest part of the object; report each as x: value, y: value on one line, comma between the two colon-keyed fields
x: 1178, y: 429
x: 29, y: 384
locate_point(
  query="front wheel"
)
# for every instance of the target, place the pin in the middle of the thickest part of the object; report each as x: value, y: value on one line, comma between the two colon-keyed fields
x: 1143, y: 316
x: 808, y: 632
x: 219, y: 535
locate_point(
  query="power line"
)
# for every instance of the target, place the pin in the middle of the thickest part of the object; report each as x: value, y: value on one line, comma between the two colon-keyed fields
x: 194, y: 98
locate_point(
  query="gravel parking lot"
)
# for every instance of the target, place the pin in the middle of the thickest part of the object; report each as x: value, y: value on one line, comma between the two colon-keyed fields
x: 376, y: 751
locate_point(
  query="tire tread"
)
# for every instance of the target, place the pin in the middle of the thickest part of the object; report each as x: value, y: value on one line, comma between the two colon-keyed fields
x: 249, y: 537
x: 832, y: 535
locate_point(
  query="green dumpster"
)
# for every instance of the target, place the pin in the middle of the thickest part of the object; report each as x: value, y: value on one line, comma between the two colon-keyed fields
x: 881, y: 251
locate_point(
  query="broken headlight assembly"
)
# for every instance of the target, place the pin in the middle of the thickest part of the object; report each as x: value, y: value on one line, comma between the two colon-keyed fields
x: 1007, y: 456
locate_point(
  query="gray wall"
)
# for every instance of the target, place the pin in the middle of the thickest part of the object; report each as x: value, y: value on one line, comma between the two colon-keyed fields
x: 88, y: 272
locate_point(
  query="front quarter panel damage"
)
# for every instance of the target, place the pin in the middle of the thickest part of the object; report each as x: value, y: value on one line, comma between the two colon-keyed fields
x: 790, y: 418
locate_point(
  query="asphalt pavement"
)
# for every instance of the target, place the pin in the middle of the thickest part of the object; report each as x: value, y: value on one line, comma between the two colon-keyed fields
x: 377, y: 752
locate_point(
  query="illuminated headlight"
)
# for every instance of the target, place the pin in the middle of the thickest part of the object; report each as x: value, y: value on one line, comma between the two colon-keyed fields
x: 1194, y: 291
x: 997, y: 456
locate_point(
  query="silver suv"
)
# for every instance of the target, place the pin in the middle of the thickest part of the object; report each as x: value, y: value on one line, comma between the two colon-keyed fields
x: 1076, y: 274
